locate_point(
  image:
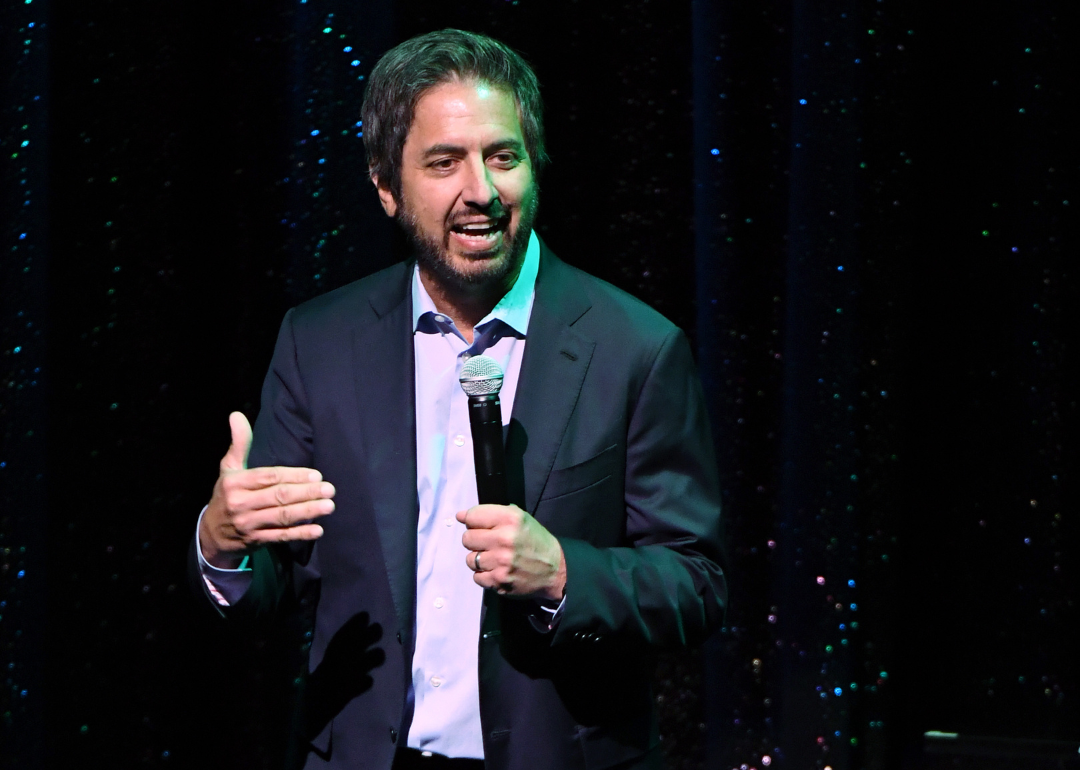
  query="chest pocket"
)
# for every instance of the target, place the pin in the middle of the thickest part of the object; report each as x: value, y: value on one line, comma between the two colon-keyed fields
x: 580, y: 477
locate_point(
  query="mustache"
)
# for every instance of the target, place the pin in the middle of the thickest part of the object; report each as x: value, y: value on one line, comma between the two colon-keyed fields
x: 496, y: 212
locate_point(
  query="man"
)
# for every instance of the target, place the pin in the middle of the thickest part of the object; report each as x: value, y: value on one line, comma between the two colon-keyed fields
x: 450, y: 634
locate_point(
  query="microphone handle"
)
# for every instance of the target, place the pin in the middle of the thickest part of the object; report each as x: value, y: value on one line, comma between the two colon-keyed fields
x: 489, y: 456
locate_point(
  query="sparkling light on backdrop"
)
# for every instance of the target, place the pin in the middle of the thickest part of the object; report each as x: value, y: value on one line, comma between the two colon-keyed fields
x: 861, y: 215
x: 802, y: 364
x: 23, y: 408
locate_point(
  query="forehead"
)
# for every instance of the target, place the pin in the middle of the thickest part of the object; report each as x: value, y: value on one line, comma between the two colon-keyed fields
x: 464, y: 110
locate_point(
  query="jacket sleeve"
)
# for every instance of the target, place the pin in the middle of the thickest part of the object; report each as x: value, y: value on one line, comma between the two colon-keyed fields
x: 666, y: 588
x: 282, y: 436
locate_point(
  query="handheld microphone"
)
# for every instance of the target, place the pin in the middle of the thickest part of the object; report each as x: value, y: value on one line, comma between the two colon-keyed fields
x: 481, y: 379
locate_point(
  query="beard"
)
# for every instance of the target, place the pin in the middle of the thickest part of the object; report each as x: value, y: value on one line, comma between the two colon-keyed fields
x: 433, y: 254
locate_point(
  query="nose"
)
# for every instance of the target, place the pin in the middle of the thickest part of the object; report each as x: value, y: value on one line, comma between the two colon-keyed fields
x: 479, y: 189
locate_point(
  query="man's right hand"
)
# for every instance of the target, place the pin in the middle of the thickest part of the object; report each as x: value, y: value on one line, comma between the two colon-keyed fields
x: 256, y: 506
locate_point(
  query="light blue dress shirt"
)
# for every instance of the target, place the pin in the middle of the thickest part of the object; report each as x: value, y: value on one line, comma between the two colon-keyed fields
x: 446, y: 700
x: 445, y: 684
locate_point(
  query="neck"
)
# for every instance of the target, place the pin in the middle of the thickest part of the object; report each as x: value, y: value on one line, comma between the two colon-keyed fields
x: 466, y: 305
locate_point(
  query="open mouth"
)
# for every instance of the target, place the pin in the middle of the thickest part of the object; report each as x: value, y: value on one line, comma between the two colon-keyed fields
x: 480, y: 234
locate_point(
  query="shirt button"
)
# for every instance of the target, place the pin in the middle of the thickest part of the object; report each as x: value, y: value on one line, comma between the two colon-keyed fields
x: 466, y: 356
x: 449, y: 521
x: 459, y: 440
x: 436, y: 681
x: 439, y: 602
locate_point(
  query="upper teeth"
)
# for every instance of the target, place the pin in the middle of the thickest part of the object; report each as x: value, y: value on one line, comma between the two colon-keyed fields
x: 475, y: 227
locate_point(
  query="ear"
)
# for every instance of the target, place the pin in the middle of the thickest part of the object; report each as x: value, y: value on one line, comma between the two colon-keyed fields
x: 386, y: 198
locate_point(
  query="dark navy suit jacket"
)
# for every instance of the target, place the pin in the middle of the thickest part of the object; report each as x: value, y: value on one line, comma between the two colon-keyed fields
x: 608, y: 447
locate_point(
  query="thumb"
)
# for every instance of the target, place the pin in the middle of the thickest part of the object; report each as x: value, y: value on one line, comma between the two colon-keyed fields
x: 236, y: 458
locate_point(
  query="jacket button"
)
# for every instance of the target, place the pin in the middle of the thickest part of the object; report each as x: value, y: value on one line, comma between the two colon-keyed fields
x: 399, y: 637
x: 393, y: 735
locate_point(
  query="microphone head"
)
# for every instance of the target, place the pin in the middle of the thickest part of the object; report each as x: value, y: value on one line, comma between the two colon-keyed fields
x: 480, y: 376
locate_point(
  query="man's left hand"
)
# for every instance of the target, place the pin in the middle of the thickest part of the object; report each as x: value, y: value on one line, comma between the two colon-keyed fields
x: 512, y: 552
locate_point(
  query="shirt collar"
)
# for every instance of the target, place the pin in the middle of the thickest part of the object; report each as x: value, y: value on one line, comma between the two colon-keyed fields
x: 514, y: 309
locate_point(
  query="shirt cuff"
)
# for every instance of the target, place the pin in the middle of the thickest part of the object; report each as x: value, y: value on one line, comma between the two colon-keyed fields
x: 547, y: 615
x: 225, y: 586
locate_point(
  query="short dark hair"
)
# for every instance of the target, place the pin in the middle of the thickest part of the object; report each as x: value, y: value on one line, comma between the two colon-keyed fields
x: 406, y: 71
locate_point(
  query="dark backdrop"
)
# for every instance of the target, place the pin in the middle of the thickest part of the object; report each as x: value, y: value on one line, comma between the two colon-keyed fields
x: 860, y: 213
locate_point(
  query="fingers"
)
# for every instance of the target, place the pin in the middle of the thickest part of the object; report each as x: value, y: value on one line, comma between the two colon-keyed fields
x: 260, y: 478
x: 253, y: 507
x: 482, y: 561
x: 498, y: 577
x: 286, y: 535
x: 236, y: 458
x: 487, y: 539
x: 509, y: 551
x: 490, y: 516
x: 491, y: 531
x: 246, y: 498
x: 284, y: 511
x: 282, y: 515
x: 491, y: 573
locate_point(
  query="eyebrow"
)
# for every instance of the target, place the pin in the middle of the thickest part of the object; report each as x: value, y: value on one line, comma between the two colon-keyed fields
x: 453, y: 149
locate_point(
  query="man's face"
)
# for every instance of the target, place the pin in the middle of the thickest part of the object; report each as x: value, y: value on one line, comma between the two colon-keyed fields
x: 468, y: 196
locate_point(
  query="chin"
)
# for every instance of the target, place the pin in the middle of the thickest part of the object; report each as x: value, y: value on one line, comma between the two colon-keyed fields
x: 470, y: 269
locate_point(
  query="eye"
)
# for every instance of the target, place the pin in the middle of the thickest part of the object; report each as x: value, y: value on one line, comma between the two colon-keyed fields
x: 443, y: 164
x: 504, y: 159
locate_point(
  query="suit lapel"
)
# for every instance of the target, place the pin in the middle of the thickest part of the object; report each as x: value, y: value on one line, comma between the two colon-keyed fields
x: 552, y: 371
x: 384, y: 374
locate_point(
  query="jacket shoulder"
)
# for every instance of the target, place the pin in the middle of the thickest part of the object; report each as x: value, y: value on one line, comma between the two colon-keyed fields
x: 367, y: 298
x: 613, y: 311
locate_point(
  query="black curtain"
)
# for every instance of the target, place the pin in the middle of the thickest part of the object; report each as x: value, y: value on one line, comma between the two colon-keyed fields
x: 860, y: 212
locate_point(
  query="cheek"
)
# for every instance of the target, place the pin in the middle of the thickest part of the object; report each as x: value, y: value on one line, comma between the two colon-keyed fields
x: 435, y: 205
x: 521, y: 187
x: 515, y: 193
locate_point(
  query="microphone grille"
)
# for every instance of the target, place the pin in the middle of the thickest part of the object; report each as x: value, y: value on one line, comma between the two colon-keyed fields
x: 481, y: 375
